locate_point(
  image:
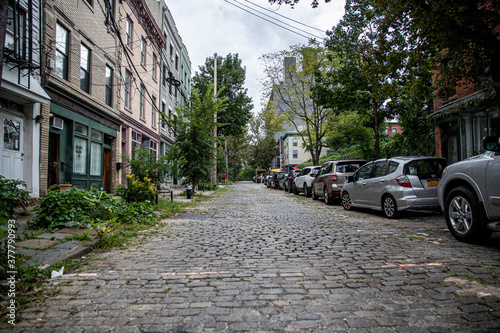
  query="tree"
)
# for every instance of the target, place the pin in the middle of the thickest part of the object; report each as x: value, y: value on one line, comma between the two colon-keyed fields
x: 230, y: 75
x: 195, y: 135
x: 290, y: 79
x: 368, y: 74
x: 461, y: 36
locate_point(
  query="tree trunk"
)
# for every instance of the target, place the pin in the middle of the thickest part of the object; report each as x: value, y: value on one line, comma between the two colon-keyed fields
x: 376, y: 131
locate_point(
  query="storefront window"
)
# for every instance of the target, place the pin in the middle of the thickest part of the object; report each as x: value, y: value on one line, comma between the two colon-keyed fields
x: 80, y: 155
x: 11, y: 134
x: 81, y: 129
x: 95, y: 159
x: 96, y: 135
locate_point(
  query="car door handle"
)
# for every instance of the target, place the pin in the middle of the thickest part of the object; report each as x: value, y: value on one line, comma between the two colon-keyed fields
x: 382, y: 180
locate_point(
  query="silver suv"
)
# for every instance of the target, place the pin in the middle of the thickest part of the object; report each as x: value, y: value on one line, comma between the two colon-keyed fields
x: 304, y: 180
x: 330, y: 178
x: 469, y: 194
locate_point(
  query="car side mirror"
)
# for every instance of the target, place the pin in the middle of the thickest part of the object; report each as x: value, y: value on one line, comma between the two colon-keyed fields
x: 491, y: 143
x: 350, y: 179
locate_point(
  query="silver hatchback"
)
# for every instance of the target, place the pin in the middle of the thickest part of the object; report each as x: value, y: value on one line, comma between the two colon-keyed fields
x: 395, y: 184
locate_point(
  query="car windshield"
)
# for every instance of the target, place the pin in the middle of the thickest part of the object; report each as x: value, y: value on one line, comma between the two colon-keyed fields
x: 425, y: 168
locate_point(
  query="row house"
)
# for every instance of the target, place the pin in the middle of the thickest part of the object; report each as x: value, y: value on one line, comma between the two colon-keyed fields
x: 84, y: 89
x: 22, y: 96
x: 142, y: 44
x: 79, y: 139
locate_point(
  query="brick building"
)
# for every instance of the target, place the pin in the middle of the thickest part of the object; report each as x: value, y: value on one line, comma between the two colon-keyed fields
x: 143, y: 41
x: 79, y: 138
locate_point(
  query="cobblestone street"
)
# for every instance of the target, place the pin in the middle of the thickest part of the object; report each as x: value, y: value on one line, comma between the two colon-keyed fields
x: 259, y: 260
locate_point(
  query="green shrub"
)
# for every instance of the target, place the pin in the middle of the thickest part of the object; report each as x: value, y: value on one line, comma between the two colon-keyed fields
x: 138, y: 189
x: 59, y: 208
x: 11, y: 196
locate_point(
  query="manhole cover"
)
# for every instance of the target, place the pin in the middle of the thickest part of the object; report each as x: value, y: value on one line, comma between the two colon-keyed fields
x: 192, y: 216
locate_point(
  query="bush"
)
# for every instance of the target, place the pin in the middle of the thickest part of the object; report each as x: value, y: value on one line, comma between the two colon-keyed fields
x: 137, y: 190
x: 11, y: 196
x: 58, y: 208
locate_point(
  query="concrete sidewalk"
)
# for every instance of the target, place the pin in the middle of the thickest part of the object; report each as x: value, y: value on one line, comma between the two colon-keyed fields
x: 50, y: 248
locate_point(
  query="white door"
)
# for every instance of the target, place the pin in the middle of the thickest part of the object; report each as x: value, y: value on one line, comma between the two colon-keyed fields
x: 11, y: 166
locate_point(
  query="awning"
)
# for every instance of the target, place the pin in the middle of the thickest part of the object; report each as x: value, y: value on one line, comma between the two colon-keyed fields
x: 276, y: 170
x: 294, y: 168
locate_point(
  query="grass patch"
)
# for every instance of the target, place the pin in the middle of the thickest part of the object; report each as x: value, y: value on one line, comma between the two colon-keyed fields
x: 170, y: 208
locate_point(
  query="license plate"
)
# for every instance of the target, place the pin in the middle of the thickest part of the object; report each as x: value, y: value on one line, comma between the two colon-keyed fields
x: 432, y: 183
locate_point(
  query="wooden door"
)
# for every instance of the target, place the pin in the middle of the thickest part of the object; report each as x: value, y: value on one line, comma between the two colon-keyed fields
x: 106, y: 174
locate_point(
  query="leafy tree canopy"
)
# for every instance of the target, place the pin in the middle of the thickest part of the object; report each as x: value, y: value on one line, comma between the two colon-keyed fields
x: 230, y: 75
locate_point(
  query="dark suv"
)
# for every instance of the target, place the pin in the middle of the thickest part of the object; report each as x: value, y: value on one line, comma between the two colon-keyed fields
x: 289, y: 180
x: 332, y: 176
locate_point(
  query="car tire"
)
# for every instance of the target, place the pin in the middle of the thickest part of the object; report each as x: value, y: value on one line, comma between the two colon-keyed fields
x: 346, y: 201
x: 462, y: 213
x: 295, y: 190
x: 313, y: 193
x: 306, y: 192
x: 389, y: 207
x: 328, y: 199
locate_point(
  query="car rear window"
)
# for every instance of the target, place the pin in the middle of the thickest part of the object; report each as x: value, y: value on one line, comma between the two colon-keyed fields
x: 425, y: 168
x: 348, y: 167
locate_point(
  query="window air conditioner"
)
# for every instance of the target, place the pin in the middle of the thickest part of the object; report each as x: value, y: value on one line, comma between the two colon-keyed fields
x: 57, y: 123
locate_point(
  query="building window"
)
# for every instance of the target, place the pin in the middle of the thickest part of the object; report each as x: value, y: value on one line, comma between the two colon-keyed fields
x: 165, y: 75
x: 153, y: 73
x: 176, y: 62
x: 295, y: 154
x: 84, y: 68
x: 141, y: 102
x: 153, y: 148
x: 80, y: 149
x: 11, y: 134
x: 171, y: 52
x: 394, y: 130
x: 62, y: 51
x: 295, y: 142
x: 136, y: 142
x: 109, y: 86
x: 143, y: 52
x: 127, y: 89
x: 128, y: 32
x: 163, y: 109
x: 153, y: 113
x: 90, y: 2
x: 15, y: 37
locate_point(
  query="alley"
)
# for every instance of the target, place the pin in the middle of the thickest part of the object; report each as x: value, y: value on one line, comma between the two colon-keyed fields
x: 254, y: 259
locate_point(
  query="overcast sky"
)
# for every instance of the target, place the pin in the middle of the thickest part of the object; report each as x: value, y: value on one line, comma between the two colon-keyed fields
x: 215, y: 26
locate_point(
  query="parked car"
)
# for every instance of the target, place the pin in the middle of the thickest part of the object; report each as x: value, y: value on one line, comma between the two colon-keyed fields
x: 395, y: 184
x: 282, y: 181
x: 267, y: 180
x: 275, y: 181
x: 304, y: 180
x: 469, y: 194
x: 331, y: 177
x: 289, y: 179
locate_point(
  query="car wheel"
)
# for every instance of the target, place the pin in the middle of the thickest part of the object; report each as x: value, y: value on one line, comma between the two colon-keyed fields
x: 346, y: 201
x: 327, y: 198
x: 306, y: 192
x: 389, y: 207
x: 313, y: 193
x: 463, y: 216
x: 295, y: 190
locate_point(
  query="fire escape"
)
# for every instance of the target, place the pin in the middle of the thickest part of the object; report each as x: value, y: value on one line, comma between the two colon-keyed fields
x: 19, y: 45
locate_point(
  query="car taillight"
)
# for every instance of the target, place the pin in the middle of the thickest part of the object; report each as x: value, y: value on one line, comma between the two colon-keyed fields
x: 333, y: 178
x: 403, y: 181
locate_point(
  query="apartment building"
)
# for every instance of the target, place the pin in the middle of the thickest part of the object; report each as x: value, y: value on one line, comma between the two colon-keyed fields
x: 22, y: 96
x: 142, y: 47
x: 79, y: 139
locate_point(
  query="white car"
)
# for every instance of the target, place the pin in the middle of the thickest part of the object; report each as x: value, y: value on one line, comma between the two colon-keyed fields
x: 469, y: 194
x: 303, y: 182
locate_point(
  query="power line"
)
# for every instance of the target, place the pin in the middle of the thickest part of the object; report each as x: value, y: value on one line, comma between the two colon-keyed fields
x: 281, y: 26
x: 271, y: 11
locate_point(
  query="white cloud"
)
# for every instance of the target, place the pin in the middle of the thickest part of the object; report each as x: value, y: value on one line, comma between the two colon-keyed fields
x: 216, y: 26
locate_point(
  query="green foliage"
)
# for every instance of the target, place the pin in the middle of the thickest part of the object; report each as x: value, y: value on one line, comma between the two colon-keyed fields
x: 138, y: 189
x: 195, y: 135
x: 11, y: 196
x: 145, y: 164
x: 237, y: 105
x: 73, y: 207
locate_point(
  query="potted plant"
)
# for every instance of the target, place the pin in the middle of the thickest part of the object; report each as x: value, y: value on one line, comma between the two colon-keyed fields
x: 65, y: 186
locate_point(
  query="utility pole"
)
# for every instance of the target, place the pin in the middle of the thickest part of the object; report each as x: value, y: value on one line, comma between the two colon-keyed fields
x: 214, y: 167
